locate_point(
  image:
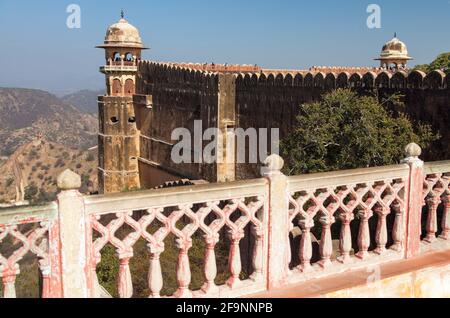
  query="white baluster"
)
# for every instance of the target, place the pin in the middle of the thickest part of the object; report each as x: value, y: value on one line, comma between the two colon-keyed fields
x: 397, y: 230
x: 345, y: 242
x: 446, y: 219
x: 155, y: 278
x: 381, y: 233
x: 45, y: 271
x: 234, y: 259
x: 433, y: 204
x: 183, y: 269
x: 364, y: 234
x: 305, y: 251
x: 9, y: 283
x: 210, y: 266
x: 257, y: 257
x: 326, y: 242
x: 125, y: 284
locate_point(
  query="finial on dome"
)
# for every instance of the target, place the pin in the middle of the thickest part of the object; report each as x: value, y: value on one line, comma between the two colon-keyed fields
x: 395, y: 34
x: 122, y: 14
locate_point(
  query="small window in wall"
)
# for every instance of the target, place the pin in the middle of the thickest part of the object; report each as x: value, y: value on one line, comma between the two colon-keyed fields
x: 129, y: 87
x: 114, y: 120
x: 117, y: 57
x: 132, y: 120
x: 117, y: 87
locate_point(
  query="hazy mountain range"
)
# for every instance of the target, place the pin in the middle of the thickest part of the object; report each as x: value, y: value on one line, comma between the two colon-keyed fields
x: 85, y: 100
x: 40, y: 136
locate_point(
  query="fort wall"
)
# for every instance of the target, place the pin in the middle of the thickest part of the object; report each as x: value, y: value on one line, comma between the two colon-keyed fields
x: 266, y: 100
x: 179, y: 97
x: 118, y: 145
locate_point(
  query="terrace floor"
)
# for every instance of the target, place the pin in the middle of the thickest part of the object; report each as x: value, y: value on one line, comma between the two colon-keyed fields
x: 425, y: 276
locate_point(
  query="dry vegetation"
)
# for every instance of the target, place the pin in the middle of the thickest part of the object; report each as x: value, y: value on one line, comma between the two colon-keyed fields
x: 40, y: 162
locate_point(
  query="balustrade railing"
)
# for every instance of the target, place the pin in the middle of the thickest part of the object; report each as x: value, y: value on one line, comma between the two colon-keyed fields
x: 332, y: 212
x: 274, y: 231
x: 436, y: 202
x: 212, y: 211
x: 27, y: 230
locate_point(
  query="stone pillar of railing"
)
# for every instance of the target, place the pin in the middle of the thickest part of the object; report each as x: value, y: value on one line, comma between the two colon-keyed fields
x: 74, y: 247
x: 278, y: 222
x: 414, y: 200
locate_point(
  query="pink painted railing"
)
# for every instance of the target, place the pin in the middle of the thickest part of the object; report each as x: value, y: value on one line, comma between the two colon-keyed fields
x: 342, y: 199
x: 300, y: 227
x: 436, y: 202
x: 29, y: 230
x: 209, y: 209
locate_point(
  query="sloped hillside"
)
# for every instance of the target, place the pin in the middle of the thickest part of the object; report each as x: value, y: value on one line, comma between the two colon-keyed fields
x: 28, y: 113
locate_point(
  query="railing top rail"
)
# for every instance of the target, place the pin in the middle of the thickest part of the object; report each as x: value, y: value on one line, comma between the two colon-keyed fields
x: 437, y: 167
x: 28, y: 214
x: 345, y: 177
x: 102, y: 204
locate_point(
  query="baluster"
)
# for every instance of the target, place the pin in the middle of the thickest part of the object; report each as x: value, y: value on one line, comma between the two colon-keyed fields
x: 257, y: 257
x: 433, y: 203
x: 45, y: 271
x: 445, y: 235
x: 305, y: 243
x: 155, y: 278
x: 125, y: 285
x: 381, y: 233
x: 345, y: 242
x: 364, y: 234
x: 210, y: 267
x: 234, y: 259
x: 9, y: 283
x: 183, y: 269
x: 326, y: 242
x: 397, y: 231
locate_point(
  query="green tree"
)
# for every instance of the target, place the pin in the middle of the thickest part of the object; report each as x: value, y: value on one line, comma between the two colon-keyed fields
x: 345, y: 131
x: 442, y: 62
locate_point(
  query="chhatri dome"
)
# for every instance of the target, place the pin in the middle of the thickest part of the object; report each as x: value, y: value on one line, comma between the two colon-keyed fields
x: 122, y: 34
x: 395, y: 53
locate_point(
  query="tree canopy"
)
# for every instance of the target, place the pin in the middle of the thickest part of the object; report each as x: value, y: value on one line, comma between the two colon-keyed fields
x: 345, y: 131
x: 442, y: 62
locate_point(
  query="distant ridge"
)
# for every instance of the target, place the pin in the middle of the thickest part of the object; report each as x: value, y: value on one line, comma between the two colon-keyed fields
x: 85, y: 100
x: 29, y: 113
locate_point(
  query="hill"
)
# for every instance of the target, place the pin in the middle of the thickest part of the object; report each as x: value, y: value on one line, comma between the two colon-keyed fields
x: 85, y: 100
x: 30, y: 172
x: 29, y: 113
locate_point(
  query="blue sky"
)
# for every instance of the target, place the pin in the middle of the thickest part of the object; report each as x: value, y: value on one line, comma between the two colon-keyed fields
x: 39, y: 51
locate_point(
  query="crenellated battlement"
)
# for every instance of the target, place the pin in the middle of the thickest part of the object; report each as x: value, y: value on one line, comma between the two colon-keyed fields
x: 320, y: 77
x: 370, y: 79
x: 182, y: 94
x: 153, y: 73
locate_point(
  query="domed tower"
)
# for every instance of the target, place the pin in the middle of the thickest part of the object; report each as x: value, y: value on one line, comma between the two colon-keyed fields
x: 118, y: 134
x: 394, y: 54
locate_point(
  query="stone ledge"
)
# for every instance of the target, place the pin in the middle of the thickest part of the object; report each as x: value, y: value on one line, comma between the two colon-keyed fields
x: 425, y: 276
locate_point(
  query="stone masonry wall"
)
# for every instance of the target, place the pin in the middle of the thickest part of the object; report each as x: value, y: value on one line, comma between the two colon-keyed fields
x: 118, y: 145
x: 179, y: 97
x: 265, y: 100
